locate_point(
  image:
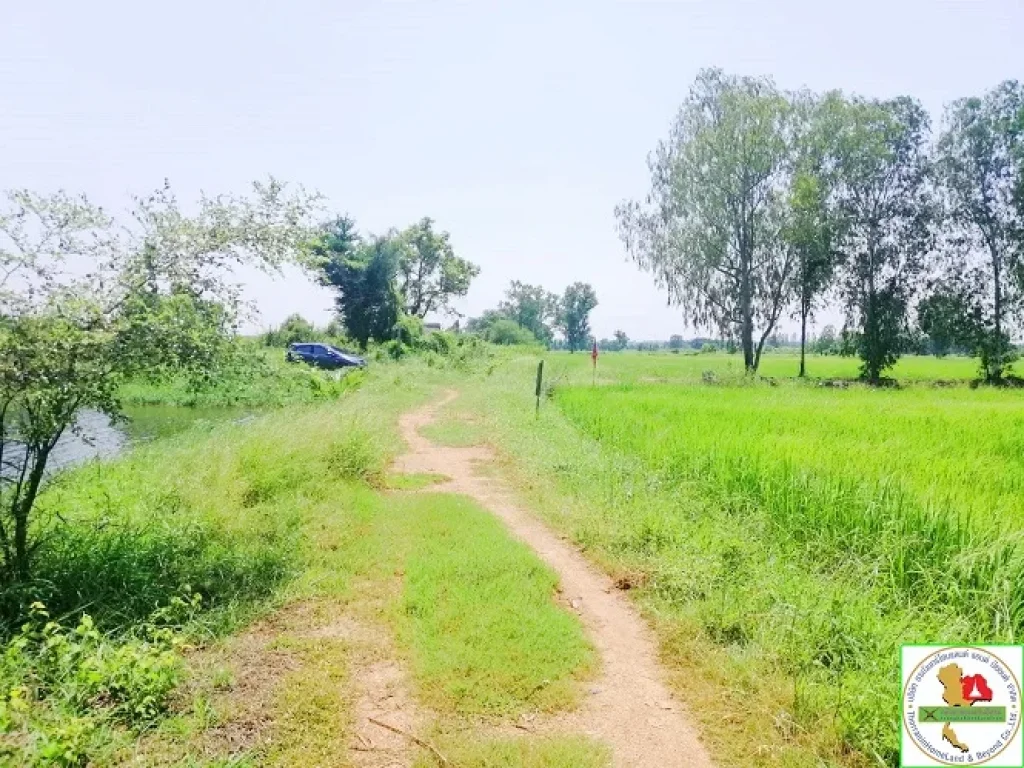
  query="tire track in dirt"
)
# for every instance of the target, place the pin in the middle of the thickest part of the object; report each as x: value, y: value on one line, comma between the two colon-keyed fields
x: 629, y: 707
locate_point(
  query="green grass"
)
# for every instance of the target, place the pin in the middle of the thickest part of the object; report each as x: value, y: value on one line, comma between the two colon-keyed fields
x: 785, y: 539
x: 688, y: 367
x: 225, y: 510
x: 454, y: 432
x: 478, y: 616
x: 532, y: 752
x: 472, y: 609
x: 414, y: 482
x: 293, y: 508
x: 257, y: 378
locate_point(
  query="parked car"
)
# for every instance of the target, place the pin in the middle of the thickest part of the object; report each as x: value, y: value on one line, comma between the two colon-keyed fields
x: 323, y: 356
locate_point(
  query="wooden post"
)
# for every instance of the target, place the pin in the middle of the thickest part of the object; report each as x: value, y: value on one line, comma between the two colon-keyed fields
x: 540, y: 379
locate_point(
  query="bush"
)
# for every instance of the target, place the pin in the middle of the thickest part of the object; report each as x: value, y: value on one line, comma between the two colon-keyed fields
x: 441, y: 342
x: 62, y: 685
x: 408, y: 330
x: 505, y: 331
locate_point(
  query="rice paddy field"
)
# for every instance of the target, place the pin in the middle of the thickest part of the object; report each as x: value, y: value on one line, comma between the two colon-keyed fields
x: 792, y: 534
x: 688, y: 365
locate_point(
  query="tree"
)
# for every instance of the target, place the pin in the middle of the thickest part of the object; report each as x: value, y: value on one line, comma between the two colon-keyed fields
x: 621, y: 340
x: 87, y: 301
x: 430, y: 275
x: 946, y: 319
x: 675, y: 341
x: 531, y: 307
x: 574, y: 315
x: 364, y: 275
x: 827, y: 342
x: 711, y: 232
x: 882, y: 193
x: 814, y: 227
x: 295, y: 328
x: 979, y: 163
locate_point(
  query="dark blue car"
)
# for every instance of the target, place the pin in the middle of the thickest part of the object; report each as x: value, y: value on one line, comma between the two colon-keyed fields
x: 323, y: 356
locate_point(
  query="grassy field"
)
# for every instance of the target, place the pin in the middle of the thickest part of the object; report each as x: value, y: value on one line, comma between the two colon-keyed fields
x: 688, y: 366
x: 785, y: 539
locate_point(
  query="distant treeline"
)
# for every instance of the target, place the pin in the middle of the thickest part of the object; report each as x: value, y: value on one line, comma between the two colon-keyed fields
x: 767, y: 204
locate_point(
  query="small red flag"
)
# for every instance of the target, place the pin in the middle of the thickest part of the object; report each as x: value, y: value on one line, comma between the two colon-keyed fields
x: 593, y: 353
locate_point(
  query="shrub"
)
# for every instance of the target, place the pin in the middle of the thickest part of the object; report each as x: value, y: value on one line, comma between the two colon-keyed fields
x: 408, y: 330
x: 505, y: 331
x: 62, y: 684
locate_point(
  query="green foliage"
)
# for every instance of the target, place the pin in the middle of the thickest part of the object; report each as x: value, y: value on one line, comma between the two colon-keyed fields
x: 66, y: 685
x: 574, y: 315
x: 295, y: 328
x: 710, y: 230
x: 364, y: 277
x: 814, y: 227
x: 827, y: 342
x: 408, y: 330
x: 147, y: 297
x: 504, y: 330
x: 980, y: 163
x: 248, y: 377
x: 531, y: 307
x: 386, y: 286
x: 946, y: 318
x: 430, y: 275
x: 883, y: 195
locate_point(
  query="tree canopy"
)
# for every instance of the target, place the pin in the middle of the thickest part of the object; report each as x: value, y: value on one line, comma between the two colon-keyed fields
x: 573, y: 315
x: 711, y: 228
x: 88, y: 299
x: 430, y: 275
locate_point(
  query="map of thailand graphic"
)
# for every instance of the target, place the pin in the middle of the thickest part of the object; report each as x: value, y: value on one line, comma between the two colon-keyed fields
x: 959, y: 690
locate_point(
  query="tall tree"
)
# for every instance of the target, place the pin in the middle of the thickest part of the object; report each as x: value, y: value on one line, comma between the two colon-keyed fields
x: 711, y: 231
x: 87, y: 300
x: 574, y: 314
x: 947, y: 319
x: 430, y: 275
x: 364, y: 275
x: 979, y: 166
x: 621, y: 340
x: 531, y: 307
x: 813, y: 227
x: 883, y: 195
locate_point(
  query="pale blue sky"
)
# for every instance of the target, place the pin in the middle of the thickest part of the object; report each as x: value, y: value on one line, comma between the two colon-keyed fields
x: 516, y: 125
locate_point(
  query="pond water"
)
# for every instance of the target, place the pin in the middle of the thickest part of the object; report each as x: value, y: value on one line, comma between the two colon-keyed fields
x: 98, y: 438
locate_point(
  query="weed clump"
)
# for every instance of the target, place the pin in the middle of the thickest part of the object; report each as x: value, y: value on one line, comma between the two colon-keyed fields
x: 65, y: 691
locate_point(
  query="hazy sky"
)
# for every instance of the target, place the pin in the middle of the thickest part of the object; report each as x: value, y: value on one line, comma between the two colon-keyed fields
x: 516, y: 125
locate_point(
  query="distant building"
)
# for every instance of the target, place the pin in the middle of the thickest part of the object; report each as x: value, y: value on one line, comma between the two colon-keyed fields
x: 431, y: 327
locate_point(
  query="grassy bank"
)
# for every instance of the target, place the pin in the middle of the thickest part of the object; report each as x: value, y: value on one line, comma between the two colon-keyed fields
x: 163, y: 559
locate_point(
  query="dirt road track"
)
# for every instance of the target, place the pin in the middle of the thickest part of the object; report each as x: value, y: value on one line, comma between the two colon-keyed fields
x: 628, y: 707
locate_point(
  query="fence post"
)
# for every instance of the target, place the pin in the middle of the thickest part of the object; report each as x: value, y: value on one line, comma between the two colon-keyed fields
x: 540, y: 378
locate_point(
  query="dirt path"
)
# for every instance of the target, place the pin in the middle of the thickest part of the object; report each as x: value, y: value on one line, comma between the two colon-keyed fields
x: 628, y: 708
